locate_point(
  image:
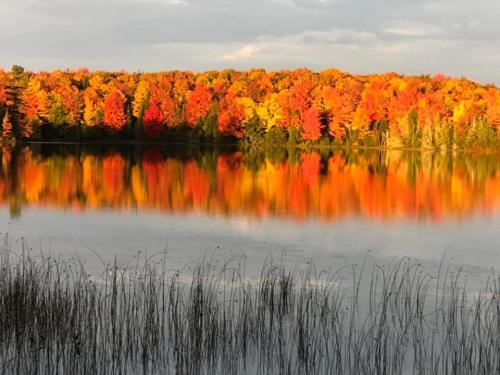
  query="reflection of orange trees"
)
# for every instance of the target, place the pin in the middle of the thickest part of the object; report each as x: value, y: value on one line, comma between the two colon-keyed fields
x: 114, y: 189
x: 196, y: 186
x: 387, y: 186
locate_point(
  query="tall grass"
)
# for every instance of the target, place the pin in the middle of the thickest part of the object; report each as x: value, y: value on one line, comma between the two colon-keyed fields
x: 394, y: 319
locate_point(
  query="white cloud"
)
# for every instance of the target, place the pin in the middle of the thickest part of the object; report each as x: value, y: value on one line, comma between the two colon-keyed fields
x: 414, y: 29
x: 177, y: 2
x: 243, y: 53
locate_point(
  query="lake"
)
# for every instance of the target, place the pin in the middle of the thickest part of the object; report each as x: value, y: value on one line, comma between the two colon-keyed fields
x: 96, y: 202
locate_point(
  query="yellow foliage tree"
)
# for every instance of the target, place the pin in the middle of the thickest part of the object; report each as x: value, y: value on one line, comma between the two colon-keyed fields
x: 140, y: 98
x: 249, y: 108
x: 93, y: 112
x: 269, y: 112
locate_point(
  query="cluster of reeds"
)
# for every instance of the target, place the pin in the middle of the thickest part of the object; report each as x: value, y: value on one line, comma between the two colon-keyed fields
x: 397, y: 319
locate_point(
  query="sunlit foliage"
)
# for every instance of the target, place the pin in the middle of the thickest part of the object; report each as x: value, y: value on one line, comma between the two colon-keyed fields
x: 333, y: 106
x: 198, y: 104
x: 114, y: 110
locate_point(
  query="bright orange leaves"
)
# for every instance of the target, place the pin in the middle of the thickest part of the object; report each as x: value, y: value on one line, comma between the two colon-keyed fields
x: 231, y: 116
x: 339, y: 103
x: 312, y: 125
x: 493, y: 107
x: 198, y: 104
x: 114, y: 110
x: 386, y: 109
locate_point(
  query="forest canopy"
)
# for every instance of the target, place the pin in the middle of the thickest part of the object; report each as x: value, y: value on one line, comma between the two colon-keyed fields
x: 257, y: 107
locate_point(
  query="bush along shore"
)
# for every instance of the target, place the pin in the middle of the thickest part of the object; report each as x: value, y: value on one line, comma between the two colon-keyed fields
x: 395, y: 319
x: 255, y: 107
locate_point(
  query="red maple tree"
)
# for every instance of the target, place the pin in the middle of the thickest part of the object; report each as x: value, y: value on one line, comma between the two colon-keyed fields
x: 153, y: 119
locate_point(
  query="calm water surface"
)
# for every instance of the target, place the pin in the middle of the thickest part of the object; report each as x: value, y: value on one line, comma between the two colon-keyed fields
x: 333, y: 207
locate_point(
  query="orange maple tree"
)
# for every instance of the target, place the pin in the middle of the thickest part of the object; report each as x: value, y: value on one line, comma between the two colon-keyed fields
x: 311, y: 128
x: 198, y: 104
x: 231, y: 115
x: 114, y: 110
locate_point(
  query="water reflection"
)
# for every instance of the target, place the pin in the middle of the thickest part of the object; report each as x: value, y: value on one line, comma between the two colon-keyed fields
x: 388, y: 185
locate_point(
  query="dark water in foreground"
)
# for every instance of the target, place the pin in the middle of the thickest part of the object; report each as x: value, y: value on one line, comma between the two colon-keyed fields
x: 330, y: 206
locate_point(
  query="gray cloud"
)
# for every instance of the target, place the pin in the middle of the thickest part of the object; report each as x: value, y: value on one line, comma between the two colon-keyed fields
x: 456, y: 37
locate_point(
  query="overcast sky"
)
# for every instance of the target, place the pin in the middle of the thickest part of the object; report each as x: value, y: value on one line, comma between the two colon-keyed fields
x: 455, y: 37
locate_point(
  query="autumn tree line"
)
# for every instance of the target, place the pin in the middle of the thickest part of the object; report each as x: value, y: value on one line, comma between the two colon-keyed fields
x: 256, y: 107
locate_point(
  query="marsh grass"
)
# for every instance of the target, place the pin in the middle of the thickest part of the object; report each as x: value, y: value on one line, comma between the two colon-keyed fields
x: 394, y: 319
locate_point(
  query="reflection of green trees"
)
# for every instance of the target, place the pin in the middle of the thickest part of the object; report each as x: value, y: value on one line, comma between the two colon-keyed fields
x: 254, y: 160
x: 276, y: 154
x: 414, y: 161
x: 479, y: 168
x: 208, y: 163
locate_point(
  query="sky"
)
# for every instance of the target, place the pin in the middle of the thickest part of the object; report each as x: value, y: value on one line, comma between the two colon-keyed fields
x: 453, y: 37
